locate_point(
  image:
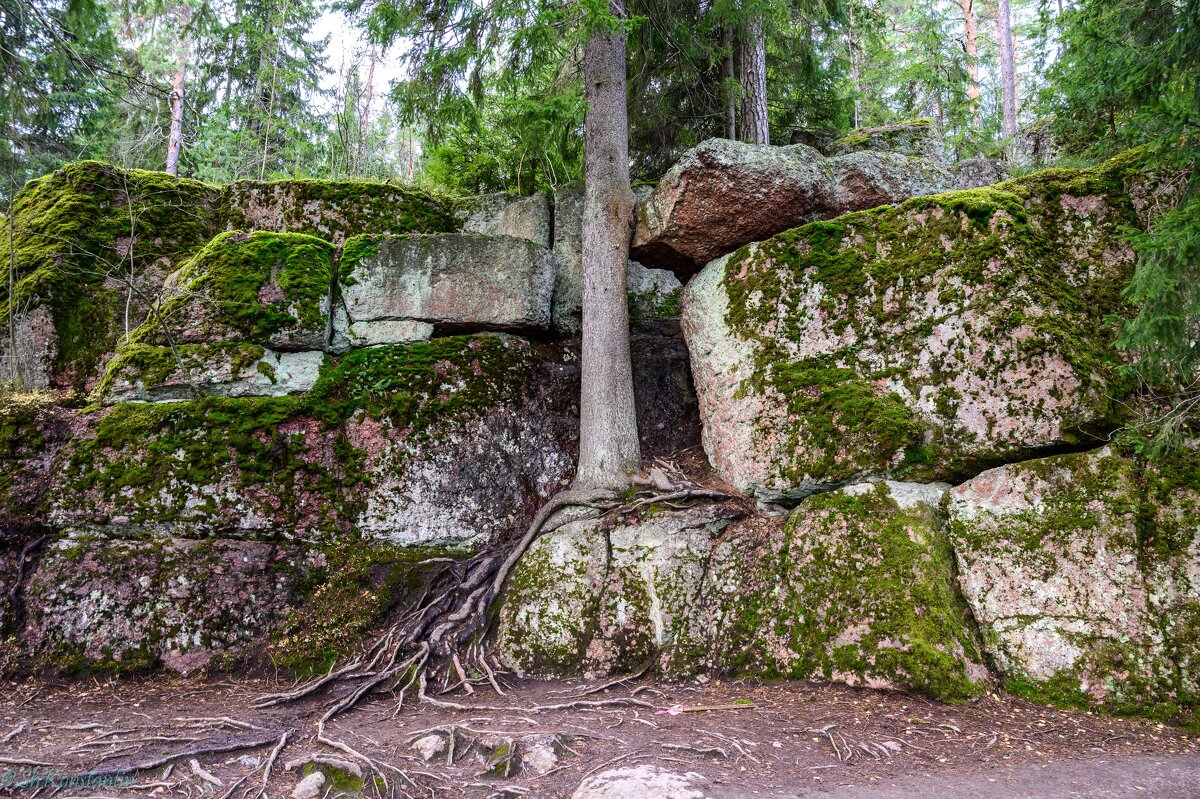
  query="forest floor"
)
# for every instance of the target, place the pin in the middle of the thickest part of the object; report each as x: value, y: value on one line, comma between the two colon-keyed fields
x: 788, y: 739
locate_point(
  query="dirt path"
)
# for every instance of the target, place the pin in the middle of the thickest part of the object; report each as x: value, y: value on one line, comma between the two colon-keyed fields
x: 796, y: 739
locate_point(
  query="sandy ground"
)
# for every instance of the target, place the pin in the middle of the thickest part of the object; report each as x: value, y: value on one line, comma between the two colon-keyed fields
x: 791, y: 739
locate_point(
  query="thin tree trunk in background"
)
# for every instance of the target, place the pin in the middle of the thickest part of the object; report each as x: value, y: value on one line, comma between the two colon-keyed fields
x: 609, y: 452
x: 752, y: 124
x: 271, y: 100
x: 855, y: 77
x: 1008, y: 73
x: 175, y: 138
x: 971, y: 48
x: 730, y: 92
x: 12, y: 310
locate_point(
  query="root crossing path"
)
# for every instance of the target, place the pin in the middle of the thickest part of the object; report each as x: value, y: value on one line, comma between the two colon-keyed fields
x: 201, y: 738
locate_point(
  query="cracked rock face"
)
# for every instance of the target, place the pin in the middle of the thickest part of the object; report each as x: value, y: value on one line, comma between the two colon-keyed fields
x: 453, y: 281
x: 922, y: 341
x: 1084, y: 572
x: 128, y: 605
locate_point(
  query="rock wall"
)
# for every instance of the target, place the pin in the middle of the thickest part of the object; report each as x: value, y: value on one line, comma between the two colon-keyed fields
x: 316, y: 388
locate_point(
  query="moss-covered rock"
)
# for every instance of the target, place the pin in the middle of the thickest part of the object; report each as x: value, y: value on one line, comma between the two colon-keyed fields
x: 270, y: 289
x: 336, y: 209
x: 724, y: 194
x: 454, y: 439
x: 146, y: 373
x: 858, y: 586
x: 914, y: 137
x: 596, y: 596
x: 95, y: 246
x: 1083, y: 571
x: 927, y: 340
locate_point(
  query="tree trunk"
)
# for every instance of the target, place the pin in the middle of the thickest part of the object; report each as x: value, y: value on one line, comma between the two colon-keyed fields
x: 753, y: 67
x: 175, y: 138
x: 971, y: 48
x: 855, y: 77
x: 609, y: 453
x: 730, y: 93
x: 1008, y: 72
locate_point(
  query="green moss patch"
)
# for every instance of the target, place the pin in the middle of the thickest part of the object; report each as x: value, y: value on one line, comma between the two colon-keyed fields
x: 196, y: 462
x: 93, y: 242
x: 84, y: 233
x: 860, y: 590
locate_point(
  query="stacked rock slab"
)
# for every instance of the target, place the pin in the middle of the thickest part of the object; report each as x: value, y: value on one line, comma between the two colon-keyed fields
x: 248, y: 318
x: 397, y: 289
x: 96, y: 248
x: 926, y: 341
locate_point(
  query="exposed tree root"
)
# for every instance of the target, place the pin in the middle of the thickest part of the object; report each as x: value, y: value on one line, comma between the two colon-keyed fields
x: 448, y: 623
x: 145, y: 765
x: 442, y: 635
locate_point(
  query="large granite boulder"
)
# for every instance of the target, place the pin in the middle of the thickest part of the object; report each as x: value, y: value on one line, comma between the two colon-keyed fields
x: 723, y: 194
x: 856, y: 586
x: 248, y: 317
x: 1083, y: 572
x: 930, y: 339
x: 971, y: 173
x: 869, y: 178
x: 394, y: 289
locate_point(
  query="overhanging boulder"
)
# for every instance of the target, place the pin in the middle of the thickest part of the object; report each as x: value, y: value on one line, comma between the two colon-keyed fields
x: 724, y: 194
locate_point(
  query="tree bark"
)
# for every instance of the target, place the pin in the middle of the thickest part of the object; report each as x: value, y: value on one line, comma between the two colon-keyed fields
x: 855, y: 77
x: 729, y: 88
x: 1008, y: 72
x: 609, y: 452
x: 971, y: 49
x: 752, y: 124
x: 175, y: 138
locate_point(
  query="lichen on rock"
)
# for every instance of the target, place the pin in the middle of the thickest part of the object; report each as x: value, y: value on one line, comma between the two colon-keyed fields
x: 1083, y: 571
